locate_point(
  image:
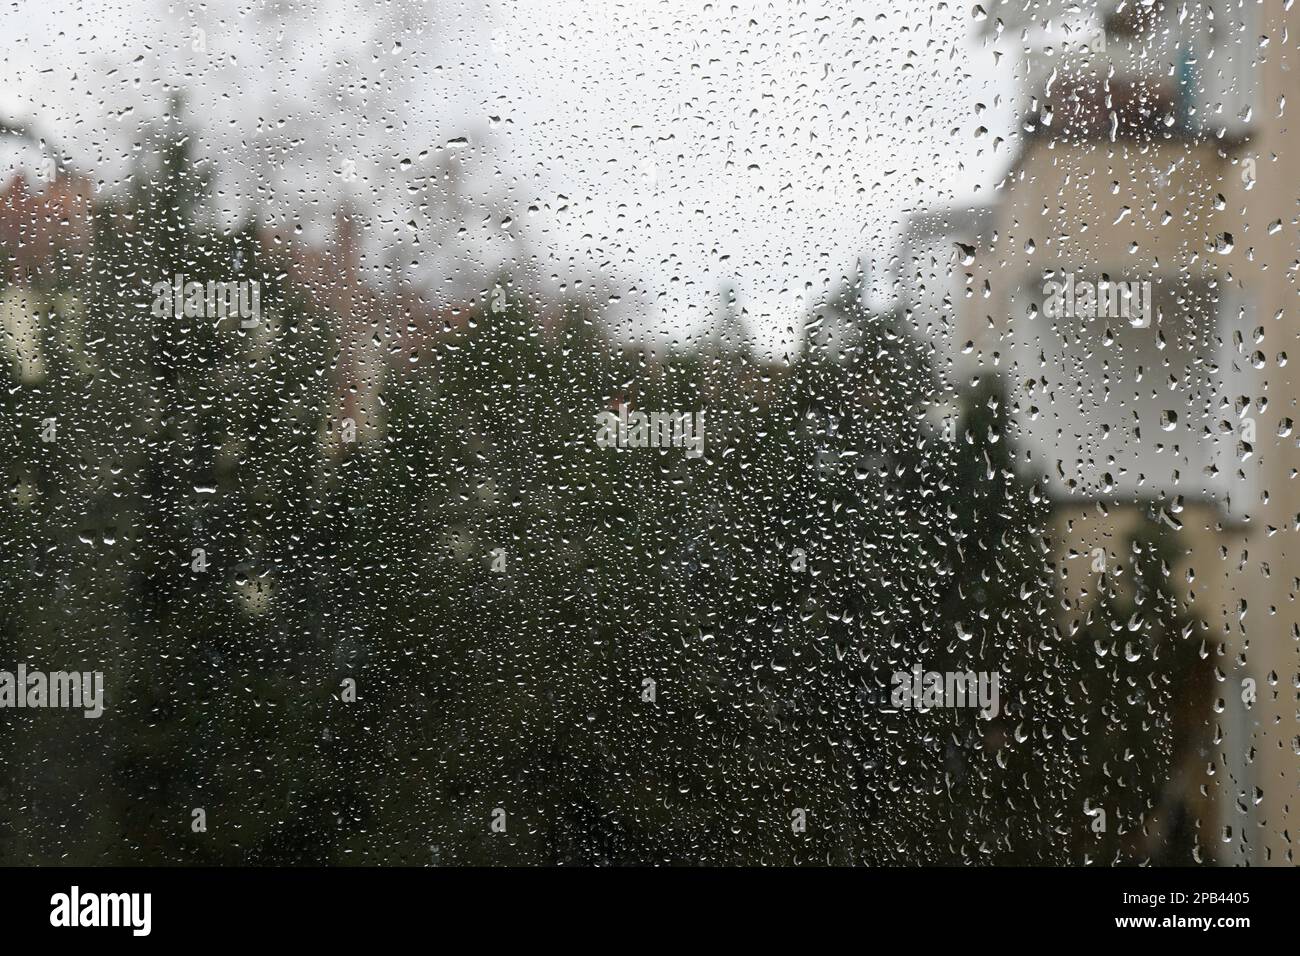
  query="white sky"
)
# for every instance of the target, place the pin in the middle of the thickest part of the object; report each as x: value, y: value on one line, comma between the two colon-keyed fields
x: 649, y: 153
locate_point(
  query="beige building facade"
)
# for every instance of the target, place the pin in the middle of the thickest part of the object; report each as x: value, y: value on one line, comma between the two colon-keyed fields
x: 1133, y: 280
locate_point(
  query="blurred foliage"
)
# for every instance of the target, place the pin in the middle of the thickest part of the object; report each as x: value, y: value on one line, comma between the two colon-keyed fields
x: 832, y: 534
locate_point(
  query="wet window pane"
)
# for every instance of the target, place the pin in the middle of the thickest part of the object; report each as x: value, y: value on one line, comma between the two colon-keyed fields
x: 497, y: 432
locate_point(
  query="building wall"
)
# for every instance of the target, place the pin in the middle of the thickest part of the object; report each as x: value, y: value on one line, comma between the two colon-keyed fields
x: 1194, y: 218
x: 1260, y: 189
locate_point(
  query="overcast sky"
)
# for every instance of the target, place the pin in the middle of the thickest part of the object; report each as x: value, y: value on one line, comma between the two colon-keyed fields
x: 647, y: 154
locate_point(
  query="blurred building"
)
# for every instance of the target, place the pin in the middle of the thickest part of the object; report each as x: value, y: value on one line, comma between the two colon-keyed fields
x: 1146, y: 155
x: 46, y: 251
x: 43, y: 230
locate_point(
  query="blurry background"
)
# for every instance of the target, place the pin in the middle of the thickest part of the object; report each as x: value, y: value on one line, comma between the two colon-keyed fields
x: 475, y: 227
x: 648, y: 156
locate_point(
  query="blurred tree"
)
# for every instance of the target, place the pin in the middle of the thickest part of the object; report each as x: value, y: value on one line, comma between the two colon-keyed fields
x: 472, y: 616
